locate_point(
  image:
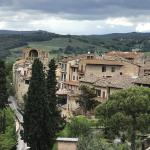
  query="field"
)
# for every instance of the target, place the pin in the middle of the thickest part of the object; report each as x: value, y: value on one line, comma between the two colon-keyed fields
x: 57, y: 45
x: 49, y: 46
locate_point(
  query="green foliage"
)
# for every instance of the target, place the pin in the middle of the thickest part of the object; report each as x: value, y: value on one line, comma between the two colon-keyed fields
x: 96, y: 142
x: 126, y: 111
x: 36, y: 113
x: 12, y: 40
x: 56, y: 122
x: 8, y: 140
x: 76, y: 127
x: 92, y: 142
x: 3, y: 86
x: 86, y: 99
x: 57, y: 44
x: 9, y: 77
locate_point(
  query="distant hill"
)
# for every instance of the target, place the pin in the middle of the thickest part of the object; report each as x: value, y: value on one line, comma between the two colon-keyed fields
x: 71, y: 44
x: 13, y: 39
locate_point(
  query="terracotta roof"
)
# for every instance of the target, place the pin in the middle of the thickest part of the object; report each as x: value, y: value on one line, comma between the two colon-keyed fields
x: 89, y: 79
x: 104, y: 62
x: 75, y: 83
x: 115, y: 81
x: 69, y: 58
x: 146, y: 66
x: 124, y: 54
x: 143, y: 80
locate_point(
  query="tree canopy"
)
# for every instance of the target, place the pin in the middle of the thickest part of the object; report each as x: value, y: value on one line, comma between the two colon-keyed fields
x: 56, y: 122
x: 3, y: 86
x: 86, y: 99
x: 36, y: 112
x: 126, y: 111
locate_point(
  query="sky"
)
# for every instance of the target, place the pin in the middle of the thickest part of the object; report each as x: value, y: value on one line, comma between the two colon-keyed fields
x: 80, y: 17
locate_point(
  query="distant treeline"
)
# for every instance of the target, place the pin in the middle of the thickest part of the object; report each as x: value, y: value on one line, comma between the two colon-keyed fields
x: 9, y: 41
x: 108, y: 42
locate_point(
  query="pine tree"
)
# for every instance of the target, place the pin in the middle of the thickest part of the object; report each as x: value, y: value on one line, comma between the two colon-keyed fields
x: 36, y: 113
x: 127, y: 113
x: 3, y: 88
x: 56, y: 122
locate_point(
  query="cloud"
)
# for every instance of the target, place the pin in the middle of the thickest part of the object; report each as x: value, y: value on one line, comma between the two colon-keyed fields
x: 77, y: 16
x: 2, y: 24
x: 143, y: 27
x: 122, y: 21
x: 81, y: 9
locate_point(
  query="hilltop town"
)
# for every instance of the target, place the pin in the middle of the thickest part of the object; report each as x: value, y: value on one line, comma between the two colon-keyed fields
x: 106, y: 74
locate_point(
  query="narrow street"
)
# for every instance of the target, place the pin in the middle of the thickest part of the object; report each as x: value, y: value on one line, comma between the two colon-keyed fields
x: 19, y: 120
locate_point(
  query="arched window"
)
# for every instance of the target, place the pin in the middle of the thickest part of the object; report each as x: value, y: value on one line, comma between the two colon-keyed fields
x: 33, y: 53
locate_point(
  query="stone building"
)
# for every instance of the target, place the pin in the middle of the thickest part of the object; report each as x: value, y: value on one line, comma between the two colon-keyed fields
x: 105, y: 86
x: 134, y: 57
x: 22, y: 70
x: 143, y: 81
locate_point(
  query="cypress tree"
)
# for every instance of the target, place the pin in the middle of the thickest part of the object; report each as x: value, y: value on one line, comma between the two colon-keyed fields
x: 56, y: 121
x: 3, y: 96
x: 36, y: 113
x: 3, y: 88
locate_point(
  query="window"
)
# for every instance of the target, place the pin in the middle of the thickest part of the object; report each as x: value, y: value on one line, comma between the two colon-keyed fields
x: 65, y: 67
x: 98, y: 93
x: 27, y: 81
x: 112, y: 69
x: 104, y: 95
x: 82, y: 68
x: 25, y: 73
x: 77, y: 77
x: 103, y: 68
x: 62, y: 66
x: 64, y: 77
x: 73, y: 77
x: 74, y: 69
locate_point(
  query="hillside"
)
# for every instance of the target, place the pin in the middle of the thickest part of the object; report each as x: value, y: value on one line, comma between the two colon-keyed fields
x: 14, y: 39
x: 12, y: 42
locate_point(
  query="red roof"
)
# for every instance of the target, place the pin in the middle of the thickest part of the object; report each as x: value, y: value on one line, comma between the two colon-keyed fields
x: 74, y: 83
x: 131, y: 55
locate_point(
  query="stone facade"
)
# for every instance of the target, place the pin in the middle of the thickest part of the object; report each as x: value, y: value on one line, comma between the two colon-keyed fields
x: 22, y: 70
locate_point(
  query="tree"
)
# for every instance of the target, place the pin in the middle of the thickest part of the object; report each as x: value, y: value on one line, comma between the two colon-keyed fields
x: 36, y: 113
x: 8, y: 140
x: 126, y: 111
x: 3, y: 86
x: 94, y: 142
x: 3, y: 96
x: 86, y: 99
x: 78, y: 126
x: 56, y: 121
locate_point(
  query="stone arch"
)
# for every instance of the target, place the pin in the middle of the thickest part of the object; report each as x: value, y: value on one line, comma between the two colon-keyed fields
x: 33, y: 53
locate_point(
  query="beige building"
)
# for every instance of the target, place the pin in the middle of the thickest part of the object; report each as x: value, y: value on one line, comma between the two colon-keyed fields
x: 143, y: 81
x: 108, y: 68
x: 72, y: 70
x: 22, y: 71
x: 79, y: 68
x: 104, y: 86
x: 67, y: 143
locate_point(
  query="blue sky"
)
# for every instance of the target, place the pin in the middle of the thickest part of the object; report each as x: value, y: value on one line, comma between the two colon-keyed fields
x: 76, y: 16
